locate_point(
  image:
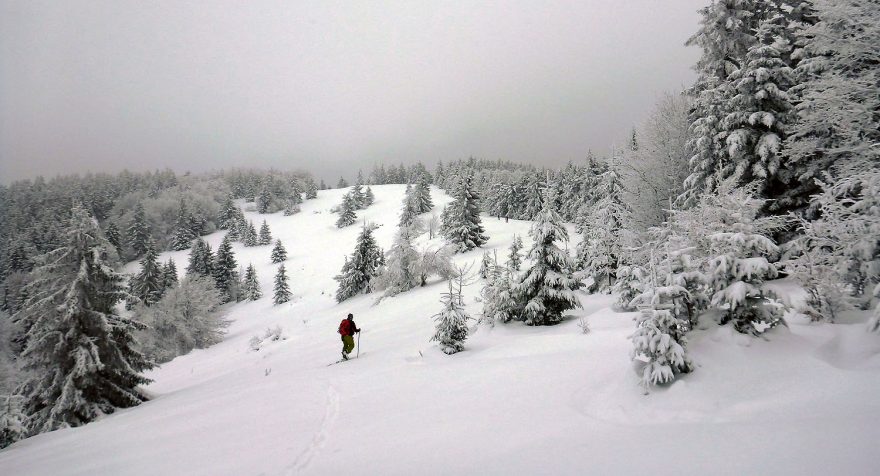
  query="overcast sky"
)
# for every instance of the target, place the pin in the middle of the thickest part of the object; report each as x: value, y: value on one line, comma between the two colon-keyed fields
x: 328, y: 86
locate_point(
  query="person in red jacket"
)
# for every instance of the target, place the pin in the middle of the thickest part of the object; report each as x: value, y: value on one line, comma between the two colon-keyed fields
x: 347, y: 328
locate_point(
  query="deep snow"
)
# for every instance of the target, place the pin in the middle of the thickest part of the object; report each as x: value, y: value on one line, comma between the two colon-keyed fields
x: 519, y: 400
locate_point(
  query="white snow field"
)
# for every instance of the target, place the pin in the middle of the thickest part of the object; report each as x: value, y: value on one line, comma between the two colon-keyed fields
x: 519, y: 400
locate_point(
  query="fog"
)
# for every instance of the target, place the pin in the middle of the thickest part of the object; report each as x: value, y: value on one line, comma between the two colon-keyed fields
x: 328, y: 86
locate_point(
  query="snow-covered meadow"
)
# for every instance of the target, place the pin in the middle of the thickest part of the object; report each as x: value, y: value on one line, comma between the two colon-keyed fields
x: 519, y: 400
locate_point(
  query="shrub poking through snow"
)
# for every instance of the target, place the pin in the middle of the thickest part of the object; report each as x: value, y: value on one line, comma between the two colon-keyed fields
x: 271, y: 335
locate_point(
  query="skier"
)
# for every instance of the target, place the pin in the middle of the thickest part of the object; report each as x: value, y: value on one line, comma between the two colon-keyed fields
x: 348, y: 328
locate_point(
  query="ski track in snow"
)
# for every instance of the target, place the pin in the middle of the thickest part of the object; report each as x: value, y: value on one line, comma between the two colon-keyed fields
x: 331, y: 412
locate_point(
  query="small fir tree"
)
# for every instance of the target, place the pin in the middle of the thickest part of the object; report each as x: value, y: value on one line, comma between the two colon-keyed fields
x: 282, y: 290
x: 359, y: 271
x: 249, y: 235
x: 227, y: 219
x: 659, y: 343
x: 169, y: 275
x: 461, y: 220
x: 514, y: 259
x: 201, y: 259
x: 486, y: 265
x: 264, y: 200
x: 422, y: 202
x: 148, y: 284
x: 114, y: 237
x: 279, y: 254
x: 183, y: 234
x: 265, y: 234
x: 451, y: 323
x: 12, y: 420
x: 346, y: 212
x: 252, y: 290
x: 369, y: 198
x: 225, y: 270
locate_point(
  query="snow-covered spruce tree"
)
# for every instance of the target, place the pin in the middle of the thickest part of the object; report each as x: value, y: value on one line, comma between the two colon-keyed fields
x: 659, y: 343
x: 138, y: 232
x: 422, y: 195
x: 252, y: 290
x: 225, y: 270
x: 188, y: 317
x: 282, y: 290
x: 311, y: 190
x: 499, y: 300
x: 461, y: 220
x: 227, y: 219
x: 264, y: 200
x: 408, y: 212
x: 201, y: 259
x: 837, y: 98
x: 514, y: 259
x: 342, y: 183
x: 369, y: 197
x: 725, y: 35
x: 114, y: 237
x: 486, y: 265
x: 739, y: 261
x: 279, y: 254
x: 169, y: 275
x: 12, y: 420
x: 148, y: 284
x: 631, y: 280
x: 761, y: 113
x: 546, y: 288
x: 363, y: 266
x: 358, y: 197
x: 399, y: 272
x: 249, y: 235
x: 603, y: 235
x: 265, y: 235
x: 80, y: 356
x: 183, y: 234
x: 346, y: 212
x: 451, y: 323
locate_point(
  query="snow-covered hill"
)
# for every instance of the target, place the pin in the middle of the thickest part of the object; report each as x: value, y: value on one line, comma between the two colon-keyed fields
x: 519, y: 401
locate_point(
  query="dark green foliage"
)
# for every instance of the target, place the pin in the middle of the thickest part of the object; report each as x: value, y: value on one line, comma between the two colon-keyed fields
x: 225, y: 274
x: 279, y: 254
x: 282, y: 290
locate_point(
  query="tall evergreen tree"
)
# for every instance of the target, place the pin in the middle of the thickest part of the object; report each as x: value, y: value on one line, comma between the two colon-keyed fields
x: 225, y: 266
x: 228, y: 217
x: 461, y: 220
x: 138, y: 231
x: 252, y: 290
x: 79, y: 353
x: 359, y: 271
x: 279, y: 254
x: 603, y: 235
x: 265, y: 234
x: 282, y: 290
x: 547, y: 287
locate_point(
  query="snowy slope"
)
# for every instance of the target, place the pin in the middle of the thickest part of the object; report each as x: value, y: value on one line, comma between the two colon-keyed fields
x: 518, y: 401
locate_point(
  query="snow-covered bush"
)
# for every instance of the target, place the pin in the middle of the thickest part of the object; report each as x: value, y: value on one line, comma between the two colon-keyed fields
x: 659, y: 347
x: 271, y: 335
x: 499, y: 301
x: 631, y: 281
x: 188, y: 317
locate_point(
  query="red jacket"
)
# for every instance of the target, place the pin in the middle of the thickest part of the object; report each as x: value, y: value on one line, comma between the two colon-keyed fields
x: 348, y: 327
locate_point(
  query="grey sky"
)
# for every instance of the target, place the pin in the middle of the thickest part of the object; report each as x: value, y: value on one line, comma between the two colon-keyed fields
x: 328, y: 86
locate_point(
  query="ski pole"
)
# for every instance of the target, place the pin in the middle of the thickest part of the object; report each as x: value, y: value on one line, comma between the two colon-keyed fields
x: 359, y: 346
